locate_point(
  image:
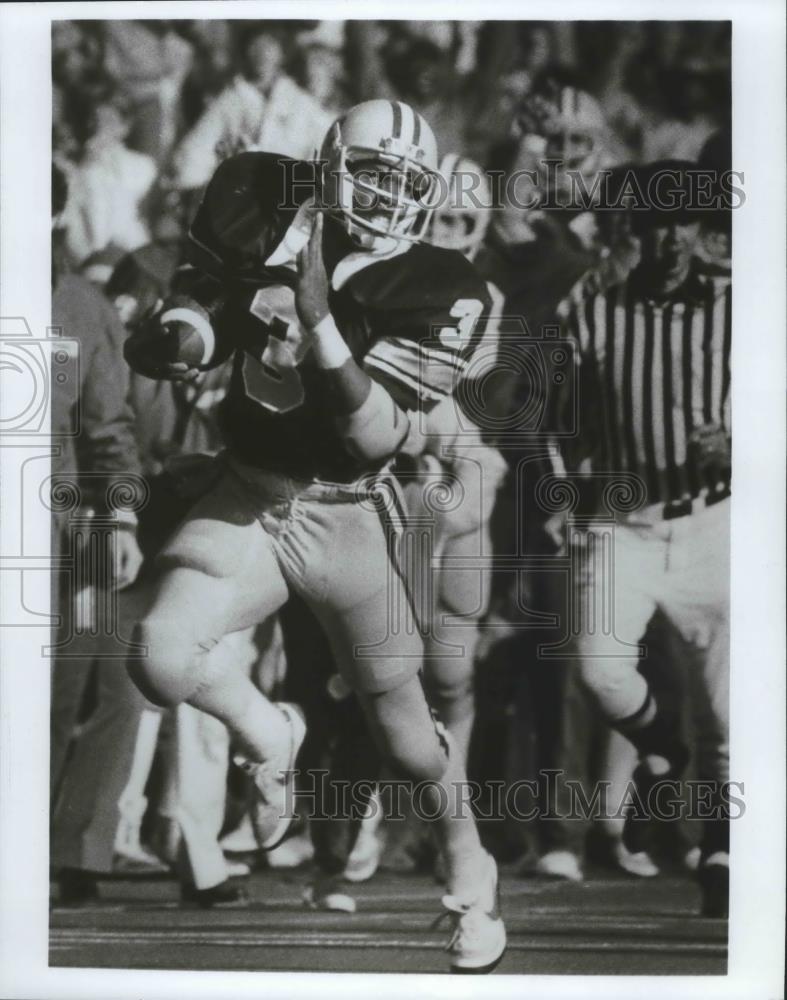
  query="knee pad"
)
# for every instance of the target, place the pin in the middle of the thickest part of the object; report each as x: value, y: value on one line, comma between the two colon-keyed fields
x: 164, y: 671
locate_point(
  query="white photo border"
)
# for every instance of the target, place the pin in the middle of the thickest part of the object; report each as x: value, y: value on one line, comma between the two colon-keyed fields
x: 758, y: 517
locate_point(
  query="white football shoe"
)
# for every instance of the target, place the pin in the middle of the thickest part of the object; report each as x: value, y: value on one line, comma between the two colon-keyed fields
x: 292, y: 852
x: 559, y: 864
x: 638, y: 863
x: 368, y: 848
x: 478, y: 935
x: 325, y: 894
x: 273, y: 805
x: 241, y: 840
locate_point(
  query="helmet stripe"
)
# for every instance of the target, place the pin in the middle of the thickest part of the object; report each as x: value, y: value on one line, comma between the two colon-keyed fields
x: 416, y: 128
x: 397, y: 119
x: 407, y: 121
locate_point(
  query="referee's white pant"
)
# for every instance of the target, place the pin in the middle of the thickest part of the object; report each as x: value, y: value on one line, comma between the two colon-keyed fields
x: 621, y: 577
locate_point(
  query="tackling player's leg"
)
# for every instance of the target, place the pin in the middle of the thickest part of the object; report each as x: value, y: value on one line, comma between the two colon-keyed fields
x: 609, y: 670
x: 364, y: 612
x: 461, y: 601
x: 462, y: 586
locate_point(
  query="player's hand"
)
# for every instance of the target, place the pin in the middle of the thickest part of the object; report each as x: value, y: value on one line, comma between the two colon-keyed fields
x: 128, y: 559
x: 140, y: 354
x: 311, y: 290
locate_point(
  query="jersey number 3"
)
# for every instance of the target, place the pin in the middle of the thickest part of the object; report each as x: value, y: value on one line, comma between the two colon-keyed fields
x: 467, y: 312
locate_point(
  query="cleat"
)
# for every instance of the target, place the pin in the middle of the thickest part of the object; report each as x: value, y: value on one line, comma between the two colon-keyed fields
x: 323, y: 894
x: 639, y: 864
x: 558, y: 864
x: 272, y: 807
x: 292, y: 853
x: 241, y: 840
x: 478, y: 936
x: 364, y: 859
x: 365, y: 856
x: 237, y: 869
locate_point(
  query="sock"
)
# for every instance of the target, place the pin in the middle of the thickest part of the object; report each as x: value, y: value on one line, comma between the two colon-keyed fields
x: 457, y: 833
x: 655, y: 737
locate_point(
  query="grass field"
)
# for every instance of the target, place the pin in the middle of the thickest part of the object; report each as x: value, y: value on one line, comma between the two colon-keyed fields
x: 604, y: 925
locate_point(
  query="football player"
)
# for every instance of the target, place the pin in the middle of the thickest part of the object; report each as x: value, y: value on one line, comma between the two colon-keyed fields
x: 344, y: 328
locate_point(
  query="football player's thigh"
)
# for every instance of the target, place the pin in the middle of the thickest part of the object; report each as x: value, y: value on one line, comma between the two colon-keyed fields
x: 365, y: 609
x: 610, y: 612
x: 219, y: 569
x: 697, y: 587
x: 465, y: 589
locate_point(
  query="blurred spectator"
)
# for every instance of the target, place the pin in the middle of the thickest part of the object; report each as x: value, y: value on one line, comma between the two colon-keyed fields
x: 692, y: 100
x: 262, y: 109
x: 149, y: 61
x: 64, y: 143
x: 421, y: 73
x: 107, y: 181
x: 211, y: 68
x: 715, y: 247
x: 322, y: 76
x: 106, y: 450
x: 77, y: 51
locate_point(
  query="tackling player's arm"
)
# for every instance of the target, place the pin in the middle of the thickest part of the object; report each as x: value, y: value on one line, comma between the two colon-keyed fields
x: 370, y: 422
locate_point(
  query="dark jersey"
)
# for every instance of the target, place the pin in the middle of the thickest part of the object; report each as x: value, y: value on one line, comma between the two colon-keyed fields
x: 410, y: 319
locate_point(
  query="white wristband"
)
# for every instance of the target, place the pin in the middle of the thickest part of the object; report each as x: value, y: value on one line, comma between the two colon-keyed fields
x: 330, y: 349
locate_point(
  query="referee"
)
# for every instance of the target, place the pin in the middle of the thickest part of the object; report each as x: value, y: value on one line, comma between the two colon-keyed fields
x: 654, y: 376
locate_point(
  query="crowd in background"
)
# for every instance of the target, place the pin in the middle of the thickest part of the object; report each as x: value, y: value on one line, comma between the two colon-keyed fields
x: 140, y: 107
x: 143, y: 112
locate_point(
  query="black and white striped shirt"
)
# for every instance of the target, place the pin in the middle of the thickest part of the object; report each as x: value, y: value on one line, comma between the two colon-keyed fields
x: 653, y: 377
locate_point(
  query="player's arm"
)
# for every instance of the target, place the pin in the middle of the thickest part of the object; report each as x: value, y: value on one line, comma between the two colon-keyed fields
x: 370, y: 422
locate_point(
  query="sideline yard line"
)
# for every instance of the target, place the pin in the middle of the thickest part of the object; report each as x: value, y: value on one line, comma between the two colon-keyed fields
x: 543, y: 920
x: 61, y: 942
x: 324, y: 922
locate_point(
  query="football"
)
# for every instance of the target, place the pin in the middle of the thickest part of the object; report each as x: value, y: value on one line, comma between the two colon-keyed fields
x: 185, y: 334
x: 180, y: 334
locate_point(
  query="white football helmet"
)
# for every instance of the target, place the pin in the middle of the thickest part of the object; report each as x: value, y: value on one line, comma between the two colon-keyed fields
x: 462, y: 218
x: 570, y: 127
x: 380, y: 175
